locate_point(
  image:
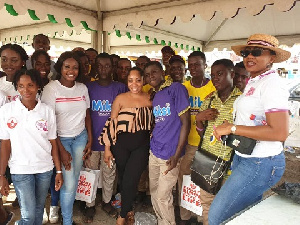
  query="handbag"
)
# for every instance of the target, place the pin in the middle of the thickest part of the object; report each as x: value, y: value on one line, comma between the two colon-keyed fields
x: 239, y: 143
x: 207, y: 169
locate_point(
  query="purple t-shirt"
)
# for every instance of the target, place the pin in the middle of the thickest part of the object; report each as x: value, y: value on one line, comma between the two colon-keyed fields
x: 101, y: 98
x: 167, y: 104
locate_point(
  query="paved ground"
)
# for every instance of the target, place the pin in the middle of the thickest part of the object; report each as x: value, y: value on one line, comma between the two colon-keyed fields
x: 291, y: 175
x: 101, y: 217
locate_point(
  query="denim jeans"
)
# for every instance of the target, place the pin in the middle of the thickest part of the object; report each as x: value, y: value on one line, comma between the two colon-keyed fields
x: 32, y: 190
x: 75, y: 146
x: 54, y: 194
x: 249, y: 179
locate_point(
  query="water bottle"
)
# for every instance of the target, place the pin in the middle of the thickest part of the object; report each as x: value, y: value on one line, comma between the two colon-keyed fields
x: 118, y: 196
x: 258, y: 120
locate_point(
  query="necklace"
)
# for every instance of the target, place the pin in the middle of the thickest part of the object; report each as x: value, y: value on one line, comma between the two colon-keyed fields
x: 197, y: 86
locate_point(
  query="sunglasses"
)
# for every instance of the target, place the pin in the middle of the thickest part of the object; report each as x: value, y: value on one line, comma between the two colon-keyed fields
x: 254, y: 52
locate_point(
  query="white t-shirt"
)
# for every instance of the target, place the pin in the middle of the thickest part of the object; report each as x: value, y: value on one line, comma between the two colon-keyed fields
x: 263, y: 94
x: 8, y: 89
x: 29, y: 133
x: 70, y: 105
x: 3, y: 98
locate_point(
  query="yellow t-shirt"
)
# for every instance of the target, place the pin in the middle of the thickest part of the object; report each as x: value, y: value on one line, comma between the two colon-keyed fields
x: 94, y: 79
x: 146, y: 88
x: 196, y: 97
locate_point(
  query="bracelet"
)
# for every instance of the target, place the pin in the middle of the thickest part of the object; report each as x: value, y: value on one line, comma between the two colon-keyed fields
x: 2, y: 175
x: 58, y: 171
x: 199, y: 129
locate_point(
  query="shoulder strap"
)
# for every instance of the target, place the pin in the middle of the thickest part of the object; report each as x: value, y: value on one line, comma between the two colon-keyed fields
x: 205, y: 124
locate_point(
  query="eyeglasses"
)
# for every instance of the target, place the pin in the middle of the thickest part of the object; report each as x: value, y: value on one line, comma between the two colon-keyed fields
x: 255, y: 52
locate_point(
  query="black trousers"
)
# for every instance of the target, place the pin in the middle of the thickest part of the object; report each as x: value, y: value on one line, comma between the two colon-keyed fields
x: 131, y: 153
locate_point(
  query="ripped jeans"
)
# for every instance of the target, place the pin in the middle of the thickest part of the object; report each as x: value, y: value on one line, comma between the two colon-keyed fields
x: 250, y: 178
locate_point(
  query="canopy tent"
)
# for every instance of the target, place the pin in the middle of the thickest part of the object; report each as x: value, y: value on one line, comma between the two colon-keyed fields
x: 141, y: 25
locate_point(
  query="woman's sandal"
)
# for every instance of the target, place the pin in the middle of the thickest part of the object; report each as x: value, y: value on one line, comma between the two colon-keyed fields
x: 130, y: 218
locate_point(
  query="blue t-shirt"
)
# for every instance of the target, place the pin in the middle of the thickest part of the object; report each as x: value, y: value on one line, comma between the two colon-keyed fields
x: 101, y: 98
x: 168, y: 105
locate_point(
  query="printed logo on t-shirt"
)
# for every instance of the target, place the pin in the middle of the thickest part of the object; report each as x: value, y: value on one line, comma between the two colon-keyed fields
x: 212, y: 140
x: 195, y: 101
x: 103, y: 107
x: 12, y: 98
x: 41, y: 125
x: 161, y: 112
x: 250, y: 92
x: 12, y: 122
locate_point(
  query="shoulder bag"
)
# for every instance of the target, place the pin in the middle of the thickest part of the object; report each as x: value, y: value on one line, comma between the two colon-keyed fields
x: 208, y: 169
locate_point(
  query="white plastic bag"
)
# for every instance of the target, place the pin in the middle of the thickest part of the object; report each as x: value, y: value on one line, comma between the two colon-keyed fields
x: 190, y: 196
x: 87, y: 185
x: 143, y: 218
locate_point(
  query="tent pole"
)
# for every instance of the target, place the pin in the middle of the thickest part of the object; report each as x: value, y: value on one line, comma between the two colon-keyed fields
x: 106, y: 47
x: 97, y: 36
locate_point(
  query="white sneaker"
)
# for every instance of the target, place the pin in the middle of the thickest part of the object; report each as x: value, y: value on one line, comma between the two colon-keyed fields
x: 45, y: 217
x: 53, y: 215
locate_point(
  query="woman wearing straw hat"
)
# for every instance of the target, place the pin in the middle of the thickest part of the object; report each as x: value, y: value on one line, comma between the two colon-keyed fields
x: 261, y: 113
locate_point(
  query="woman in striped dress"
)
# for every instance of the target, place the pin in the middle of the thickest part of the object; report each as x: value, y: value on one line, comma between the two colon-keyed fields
x: 126, y: 137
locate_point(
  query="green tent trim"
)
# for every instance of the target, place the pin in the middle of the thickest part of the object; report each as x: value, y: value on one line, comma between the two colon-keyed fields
x: 155, y: 41
x: 10, y: 9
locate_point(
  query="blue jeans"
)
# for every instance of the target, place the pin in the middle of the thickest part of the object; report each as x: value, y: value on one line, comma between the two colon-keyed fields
x: 32, y: 190
x: 54, y: 194
x: 249, y: 179
x: 75, y: 146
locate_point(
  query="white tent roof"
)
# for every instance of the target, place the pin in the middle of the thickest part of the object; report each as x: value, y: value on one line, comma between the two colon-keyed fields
x: 149, y: 23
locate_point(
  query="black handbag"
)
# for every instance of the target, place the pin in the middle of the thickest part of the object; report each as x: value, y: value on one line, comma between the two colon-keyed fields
x: 207, y: 169
x: 239, y: 143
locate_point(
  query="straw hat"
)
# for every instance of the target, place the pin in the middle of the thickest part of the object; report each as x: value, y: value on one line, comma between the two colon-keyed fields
x: 267, y: 42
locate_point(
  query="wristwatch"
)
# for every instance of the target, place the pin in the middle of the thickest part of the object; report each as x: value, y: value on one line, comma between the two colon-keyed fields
x: 233, y: 129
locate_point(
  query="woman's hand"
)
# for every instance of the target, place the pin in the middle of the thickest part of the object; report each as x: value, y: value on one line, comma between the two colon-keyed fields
x: 223, y: 129
x: 66, y: 158
x: 4, y: 186
x: 171, y: 163
x: 58, y: 181
x: 87, y: 151
x: 208, y: 114
x: 108, y: 158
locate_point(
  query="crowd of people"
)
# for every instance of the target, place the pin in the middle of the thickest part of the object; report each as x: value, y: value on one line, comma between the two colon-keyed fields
x: 139, y: 125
